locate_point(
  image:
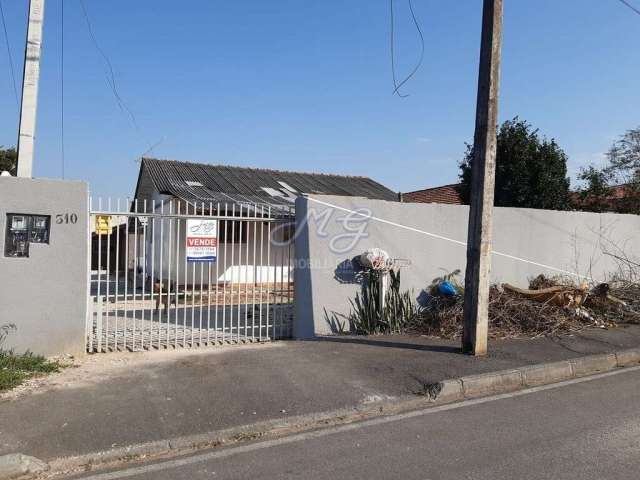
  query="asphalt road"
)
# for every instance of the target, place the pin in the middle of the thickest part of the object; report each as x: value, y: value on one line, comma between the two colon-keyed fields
x: 575, y: 430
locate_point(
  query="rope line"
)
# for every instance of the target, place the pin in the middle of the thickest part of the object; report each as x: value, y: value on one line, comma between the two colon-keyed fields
x: 447, y: 239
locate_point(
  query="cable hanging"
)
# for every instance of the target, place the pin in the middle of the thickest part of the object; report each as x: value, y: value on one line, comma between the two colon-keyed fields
x: 62, y: 153
x: 396, y: 85
x: 635, y: 9
x: 10, y: 57
x: 111, y: 78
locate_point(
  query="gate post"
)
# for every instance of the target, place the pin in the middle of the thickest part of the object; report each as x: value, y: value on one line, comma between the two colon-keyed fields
x: 43, y: 264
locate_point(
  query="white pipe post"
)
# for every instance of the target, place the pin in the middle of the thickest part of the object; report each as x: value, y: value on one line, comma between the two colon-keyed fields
x: 31, y: 76
x: 383, y: 287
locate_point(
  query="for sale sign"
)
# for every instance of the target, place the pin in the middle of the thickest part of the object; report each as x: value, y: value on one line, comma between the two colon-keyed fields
x: 202, y: 240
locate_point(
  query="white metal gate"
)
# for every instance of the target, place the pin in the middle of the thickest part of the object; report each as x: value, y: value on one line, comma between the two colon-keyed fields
x: 147, y: 291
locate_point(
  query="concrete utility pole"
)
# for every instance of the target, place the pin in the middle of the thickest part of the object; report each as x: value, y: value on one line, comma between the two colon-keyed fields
x: 30, y: 80
x: 476, y: 294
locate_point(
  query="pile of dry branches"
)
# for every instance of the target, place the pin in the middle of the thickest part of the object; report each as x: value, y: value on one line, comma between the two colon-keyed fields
x: 615, y: 312
x: 511, y: 315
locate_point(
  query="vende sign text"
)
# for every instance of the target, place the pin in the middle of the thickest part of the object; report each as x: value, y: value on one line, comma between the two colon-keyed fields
x: 202, y: 240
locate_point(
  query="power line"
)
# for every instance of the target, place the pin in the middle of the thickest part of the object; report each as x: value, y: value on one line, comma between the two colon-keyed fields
x: 635, y: 9
x: 111, y: 78
x: 396, y: 85
x: 12, y: 70
x: 393, y: 61
x: 62, y: 84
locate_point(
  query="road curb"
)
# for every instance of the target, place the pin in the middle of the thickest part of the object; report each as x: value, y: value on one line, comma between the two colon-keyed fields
x: 17, y: 465
x: 504, y: 381
x: 440, y: 393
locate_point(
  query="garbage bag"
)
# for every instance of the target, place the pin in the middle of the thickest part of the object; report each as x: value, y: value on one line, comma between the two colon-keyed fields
x: 447, y: 289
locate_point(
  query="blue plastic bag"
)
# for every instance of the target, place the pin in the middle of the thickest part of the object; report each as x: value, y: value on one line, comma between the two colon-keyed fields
x: 447, y: 289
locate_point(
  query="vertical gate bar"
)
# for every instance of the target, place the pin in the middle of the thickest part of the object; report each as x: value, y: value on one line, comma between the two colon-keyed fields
x: 246, y: 276
x: 152, y: 240
x: 224, y: 278
x: 169, y: 259
x: 245, y: 302
x: 99, y: 278
x: 245, y: 269
x: 209, y: 280
x: 274, y: 291
x: 143, y: 328
x: 126, y: 275
x: 233, y: 261
x: 253, y: 307
x: 291, y: 271
x: 202, y: 212
x: 193, y: 284
x: 99, y: 324
x: 90, y: 327
x: 117, y: 302
x: 240, y: 229
x: 160, y: 265
x: 217, y: 270
x: 108, y: 279
x: 280, y: 290
x: 269, y: 270
x: 261, y: 274
x: 186, y: 283
x: 134, y: 309
x: 241, y: 273
x: 177, y: 287
x: 275, y: 262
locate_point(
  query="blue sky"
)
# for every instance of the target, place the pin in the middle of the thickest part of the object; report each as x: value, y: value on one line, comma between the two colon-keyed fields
x: 306, y: 85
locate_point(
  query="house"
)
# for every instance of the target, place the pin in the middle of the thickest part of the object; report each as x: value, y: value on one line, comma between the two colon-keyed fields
x: 617, y: 198
x: 448, y: 194
x: 249, y: 250
x: 204, y: 183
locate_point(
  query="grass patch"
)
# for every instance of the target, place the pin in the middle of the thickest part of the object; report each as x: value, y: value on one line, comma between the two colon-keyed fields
x: 16, y: 368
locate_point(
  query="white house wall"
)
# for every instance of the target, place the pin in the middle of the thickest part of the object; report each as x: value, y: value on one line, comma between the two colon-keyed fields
x: 258, y: 260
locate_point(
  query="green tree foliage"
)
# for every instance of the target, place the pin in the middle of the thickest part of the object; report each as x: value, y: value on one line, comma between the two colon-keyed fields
x: 616, y: 187
x: 8, y: 160
x: 531, y: 172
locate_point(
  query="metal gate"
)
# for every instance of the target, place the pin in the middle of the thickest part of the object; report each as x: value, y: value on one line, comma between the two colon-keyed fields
x: 174, y: 274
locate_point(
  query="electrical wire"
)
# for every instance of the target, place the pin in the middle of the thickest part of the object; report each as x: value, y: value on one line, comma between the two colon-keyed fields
x: 11, y: 67
x: 393, y: 61
x: 111, y: 78
x: 635, y: 9
x: 396, y: 85
x: 62, y: 86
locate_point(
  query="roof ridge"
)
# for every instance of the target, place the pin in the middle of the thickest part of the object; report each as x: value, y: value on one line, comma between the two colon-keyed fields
x: 272, y: 170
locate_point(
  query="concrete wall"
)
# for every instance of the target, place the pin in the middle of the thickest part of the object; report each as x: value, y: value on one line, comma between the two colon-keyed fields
x: 328, y: 238
x: 45, y: 295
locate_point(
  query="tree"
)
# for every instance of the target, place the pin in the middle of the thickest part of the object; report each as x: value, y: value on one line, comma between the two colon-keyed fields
x: 8, y: 160
x: 531, y: 172
x: 616, y: 187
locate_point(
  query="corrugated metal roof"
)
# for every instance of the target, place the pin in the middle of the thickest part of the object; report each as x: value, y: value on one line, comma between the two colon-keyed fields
x: 223, y: 183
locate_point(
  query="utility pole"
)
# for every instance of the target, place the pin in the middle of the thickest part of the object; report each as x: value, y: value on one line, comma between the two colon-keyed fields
x: 31, y: 76
x: 476, y: 294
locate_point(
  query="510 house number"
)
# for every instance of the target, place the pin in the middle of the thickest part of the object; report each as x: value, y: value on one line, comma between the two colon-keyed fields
x: 66, y: 218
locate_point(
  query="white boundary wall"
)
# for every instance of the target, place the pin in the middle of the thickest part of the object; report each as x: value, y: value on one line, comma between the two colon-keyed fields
x: 432, y: 238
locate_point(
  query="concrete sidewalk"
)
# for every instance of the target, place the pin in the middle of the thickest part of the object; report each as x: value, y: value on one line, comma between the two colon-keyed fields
x: 116, y: 400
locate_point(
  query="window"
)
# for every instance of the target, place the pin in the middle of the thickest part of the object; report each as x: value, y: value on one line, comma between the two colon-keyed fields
x: 23, y: 230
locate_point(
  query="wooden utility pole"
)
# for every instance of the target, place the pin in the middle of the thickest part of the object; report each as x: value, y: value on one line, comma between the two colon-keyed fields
x: 31, y: 76
x: 476, y: 294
